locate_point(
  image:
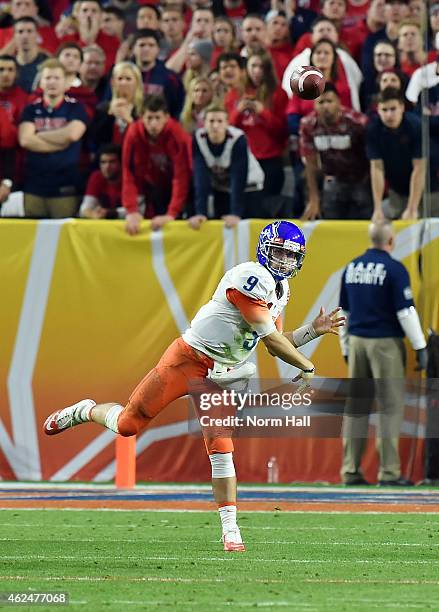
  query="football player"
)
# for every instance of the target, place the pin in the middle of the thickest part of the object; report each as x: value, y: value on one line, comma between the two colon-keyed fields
x: 245, y: 308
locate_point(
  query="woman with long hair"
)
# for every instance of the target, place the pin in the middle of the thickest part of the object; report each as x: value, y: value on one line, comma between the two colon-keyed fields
x: 223, y: 37
x: 198, y: 98
x: 113, y: 118
x: 324, y: 57
x: 391, y: 77
x: 259, y: 110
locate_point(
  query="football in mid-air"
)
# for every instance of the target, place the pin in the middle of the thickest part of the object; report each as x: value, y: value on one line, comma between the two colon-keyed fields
x: 307, y: 82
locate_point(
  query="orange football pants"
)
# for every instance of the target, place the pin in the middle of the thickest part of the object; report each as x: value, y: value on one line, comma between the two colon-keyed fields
x: 169, y: 380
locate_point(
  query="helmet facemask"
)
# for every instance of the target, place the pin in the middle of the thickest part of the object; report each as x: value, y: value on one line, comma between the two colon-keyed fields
x: 284, y: 260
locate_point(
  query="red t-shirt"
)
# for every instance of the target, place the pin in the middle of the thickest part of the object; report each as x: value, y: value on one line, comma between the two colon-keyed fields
x: 303, y: 43
x: 109, y: 193
x: 356, y: 10
x: 13, y: 101
x: 8, y: 131
x: 266, y: 132
x: 281, y: 57
x: 408, y: 68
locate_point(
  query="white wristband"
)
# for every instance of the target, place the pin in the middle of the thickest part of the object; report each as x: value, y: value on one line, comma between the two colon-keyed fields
x: 304, y: 334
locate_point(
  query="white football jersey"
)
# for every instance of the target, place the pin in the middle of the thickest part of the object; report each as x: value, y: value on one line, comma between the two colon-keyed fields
x: 220, y: 331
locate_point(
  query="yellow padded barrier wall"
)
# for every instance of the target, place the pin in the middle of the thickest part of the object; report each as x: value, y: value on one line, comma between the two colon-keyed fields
x: 86, y: 310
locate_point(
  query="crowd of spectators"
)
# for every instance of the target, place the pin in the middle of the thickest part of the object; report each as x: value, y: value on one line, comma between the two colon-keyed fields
x: 183, y: 109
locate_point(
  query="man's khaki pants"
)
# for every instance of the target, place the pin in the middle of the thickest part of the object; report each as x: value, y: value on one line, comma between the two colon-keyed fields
x: 38, y: 207
x: 381, y: 359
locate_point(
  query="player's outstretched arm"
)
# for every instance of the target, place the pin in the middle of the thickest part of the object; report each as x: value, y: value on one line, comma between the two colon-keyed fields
x: 323, y: 324
x: 279, y: 346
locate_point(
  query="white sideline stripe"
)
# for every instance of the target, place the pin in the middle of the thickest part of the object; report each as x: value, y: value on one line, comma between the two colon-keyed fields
x: 140, y: 579
x: 146, y: 439
x: 278, y: 542
x: 243, y: 238
x: 368, y: 581
x: 210, y: 580
x: 407, y: 527
x: 165, y: 281
x: 189, y: 510
x: 228, y: 248
x: 142, y: 557
x: 81, y: 459
x: 26, y: 462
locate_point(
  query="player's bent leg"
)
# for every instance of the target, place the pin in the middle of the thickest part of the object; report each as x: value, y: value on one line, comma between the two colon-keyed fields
x: 163, y: 384
x: 224, y: 491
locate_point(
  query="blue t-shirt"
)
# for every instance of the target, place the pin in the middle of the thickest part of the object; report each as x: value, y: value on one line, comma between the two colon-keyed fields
x: 53, y: 174
x: 26, y: 73
x: 374, y: 288
x: 397, y: 148
x: 160, y: 81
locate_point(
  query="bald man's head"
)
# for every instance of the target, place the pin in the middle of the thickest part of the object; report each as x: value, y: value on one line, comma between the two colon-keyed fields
x: 381, y: 234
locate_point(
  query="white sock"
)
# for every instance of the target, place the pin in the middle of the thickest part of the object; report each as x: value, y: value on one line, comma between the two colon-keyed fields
x: 228, y: 518
x: 83, y: 410
x: 112, y: 416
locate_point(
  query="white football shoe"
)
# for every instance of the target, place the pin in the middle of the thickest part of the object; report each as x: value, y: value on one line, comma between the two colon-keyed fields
x: 232, y: 541
x: 68, y: 417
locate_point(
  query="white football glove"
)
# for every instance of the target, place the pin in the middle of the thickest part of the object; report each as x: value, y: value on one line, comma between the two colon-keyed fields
x: 305, y: 377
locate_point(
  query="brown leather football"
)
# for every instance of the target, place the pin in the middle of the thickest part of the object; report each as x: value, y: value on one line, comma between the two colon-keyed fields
x: 307, y: 82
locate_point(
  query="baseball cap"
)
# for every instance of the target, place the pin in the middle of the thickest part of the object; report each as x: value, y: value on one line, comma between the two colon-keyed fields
x: 273, y: 14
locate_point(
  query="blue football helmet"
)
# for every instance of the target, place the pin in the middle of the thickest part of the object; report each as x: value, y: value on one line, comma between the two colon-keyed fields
x: 281, y: 249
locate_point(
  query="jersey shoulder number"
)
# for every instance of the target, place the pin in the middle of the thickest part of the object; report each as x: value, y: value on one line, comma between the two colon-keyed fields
x: 252, y: 279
